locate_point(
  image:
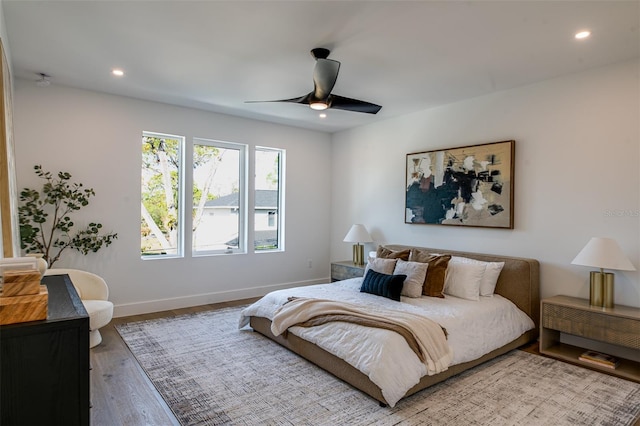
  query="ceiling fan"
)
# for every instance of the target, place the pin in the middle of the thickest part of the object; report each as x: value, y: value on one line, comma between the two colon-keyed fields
x: 325, y: 75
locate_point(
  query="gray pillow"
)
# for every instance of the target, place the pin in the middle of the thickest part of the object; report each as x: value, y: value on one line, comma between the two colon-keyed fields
x: 416, y: 273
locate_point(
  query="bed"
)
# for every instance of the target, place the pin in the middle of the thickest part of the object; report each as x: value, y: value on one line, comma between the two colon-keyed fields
x: 516, y: 292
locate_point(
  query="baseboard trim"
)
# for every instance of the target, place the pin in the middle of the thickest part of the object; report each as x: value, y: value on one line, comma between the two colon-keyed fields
x: 159, y: 305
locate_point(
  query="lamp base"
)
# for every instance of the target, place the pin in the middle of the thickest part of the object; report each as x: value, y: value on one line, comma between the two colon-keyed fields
x: 607, y: 290
x: 596, y: 288
x: 358, y: 254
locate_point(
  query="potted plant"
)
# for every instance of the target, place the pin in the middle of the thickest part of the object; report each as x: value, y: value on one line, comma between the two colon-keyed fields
x: 45, y: 218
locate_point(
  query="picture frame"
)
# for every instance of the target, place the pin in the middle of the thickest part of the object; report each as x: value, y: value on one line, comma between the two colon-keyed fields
x: 462, y: 186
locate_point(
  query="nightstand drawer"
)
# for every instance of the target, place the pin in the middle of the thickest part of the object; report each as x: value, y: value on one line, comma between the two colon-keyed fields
x: 345, y: 270
x: 592, y: 325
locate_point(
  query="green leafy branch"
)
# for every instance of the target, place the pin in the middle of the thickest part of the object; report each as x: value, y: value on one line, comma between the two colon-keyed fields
x: 45, y: 222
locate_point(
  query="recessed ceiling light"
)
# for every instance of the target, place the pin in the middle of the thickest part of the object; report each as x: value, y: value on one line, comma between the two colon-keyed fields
x: 117, y: 72
x: 44, y: 81
x: 582, y: 34
x: 322, y: 115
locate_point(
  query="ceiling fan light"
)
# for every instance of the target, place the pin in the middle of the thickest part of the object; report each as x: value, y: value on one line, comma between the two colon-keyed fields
x: 318, y: 105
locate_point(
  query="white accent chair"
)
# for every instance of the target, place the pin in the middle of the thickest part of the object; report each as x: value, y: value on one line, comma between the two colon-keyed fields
x: 94, y: 293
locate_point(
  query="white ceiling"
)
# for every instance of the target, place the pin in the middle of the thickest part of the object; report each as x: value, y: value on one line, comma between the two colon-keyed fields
x: 405, y: 56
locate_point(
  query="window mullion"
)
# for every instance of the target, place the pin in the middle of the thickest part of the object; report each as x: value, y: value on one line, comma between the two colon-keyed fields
x: 186, y: 225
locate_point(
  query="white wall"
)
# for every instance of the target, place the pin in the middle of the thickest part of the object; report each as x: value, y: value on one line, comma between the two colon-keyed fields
x: 577, y: 159
x: 97, y: 138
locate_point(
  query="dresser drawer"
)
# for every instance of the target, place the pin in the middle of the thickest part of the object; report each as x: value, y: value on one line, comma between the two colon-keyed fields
x: 592, y: 325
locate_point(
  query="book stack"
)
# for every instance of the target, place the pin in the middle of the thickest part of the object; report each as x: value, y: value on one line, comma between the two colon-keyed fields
x: 597, y: 358
x: 22, y: 297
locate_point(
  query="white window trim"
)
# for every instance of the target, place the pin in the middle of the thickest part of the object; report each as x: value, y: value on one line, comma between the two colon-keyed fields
x: 180, y: 208
x: 281, y: 200
x: 242, y: 197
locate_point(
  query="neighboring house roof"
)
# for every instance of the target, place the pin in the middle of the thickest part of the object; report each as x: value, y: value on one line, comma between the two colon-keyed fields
x: 265, y: 199
x: 261, y: 238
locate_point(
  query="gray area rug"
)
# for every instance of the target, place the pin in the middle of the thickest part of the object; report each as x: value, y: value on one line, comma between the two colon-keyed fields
x: 211, y: 373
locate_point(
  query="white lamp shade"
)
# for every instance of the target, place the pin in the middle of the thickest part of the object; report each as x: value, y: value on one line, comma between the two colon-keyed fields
x: 603, y: 253
x: 358, y: 234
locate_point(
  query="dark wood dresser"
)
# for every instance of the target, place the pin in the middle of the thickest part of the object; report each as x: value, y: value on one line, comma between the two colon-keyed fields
x: 44, y: 365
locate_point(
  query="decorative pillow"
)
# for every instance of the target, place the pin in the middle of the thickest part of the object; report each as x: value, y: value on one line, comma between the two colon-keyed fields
x: 383, y: 266
x: 389, y: 286
x: 490, y: 276
x: 387, y: 253
x: 416, y: 273
x: 436, y: 271
x: 463, y: 278
x: 417, y: 255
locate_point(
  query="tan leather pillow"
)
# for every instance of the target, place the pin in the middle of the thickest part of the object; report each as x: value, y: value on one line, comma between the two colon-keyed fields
x: 386, y: 253
x: 436, y: 272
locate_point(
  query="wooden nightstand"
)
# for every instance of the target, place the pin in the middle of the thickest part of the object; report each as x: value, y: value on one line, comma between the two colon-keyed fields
x: 618, y: 326
x: 345, y: 269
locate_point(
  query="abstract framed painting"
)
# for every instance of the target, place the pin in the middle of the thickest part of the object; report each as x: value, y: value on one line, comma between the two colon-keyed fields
x: 464, y: 186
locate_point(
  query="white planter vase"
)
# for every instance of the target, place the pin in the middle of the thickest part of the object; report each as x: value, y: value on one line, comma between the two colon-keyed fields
x: 42, y: 264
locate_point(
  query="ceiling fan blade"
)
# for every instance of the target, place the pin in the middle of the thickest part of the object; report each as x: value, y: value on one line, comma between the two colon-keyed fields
x: 325, y: 75
x: 299, y: 100
x: 348, y: 104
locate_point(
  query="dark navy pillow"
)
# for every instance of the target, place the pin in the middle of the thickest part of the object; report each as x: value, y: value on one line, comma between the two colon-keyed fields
x: 389, y: 286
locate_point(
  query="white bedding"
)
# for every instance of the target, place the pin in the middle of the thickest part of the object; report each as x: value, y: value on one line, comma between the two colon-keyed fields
x: 474, y: 328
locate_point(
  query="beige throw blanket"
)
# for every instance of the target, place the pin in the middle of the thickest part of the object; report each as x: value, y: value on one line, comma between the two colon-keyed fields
x: 427, y: 336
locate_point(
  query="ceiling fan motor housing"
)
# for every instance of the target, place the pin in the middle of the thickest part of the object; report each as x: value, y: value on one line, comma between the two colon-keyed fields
x: 320, y: 53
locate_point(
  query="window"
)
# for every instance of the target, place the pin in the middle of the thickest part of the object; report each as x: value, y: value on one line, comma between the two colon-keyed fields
x: 268, y: 199
x: 161, y: 196
x: 219, y: 197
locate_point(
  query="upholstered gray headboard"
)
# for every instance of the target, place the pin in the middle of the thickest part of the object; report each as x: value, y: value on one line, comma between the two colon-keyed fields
x: 519, y: 280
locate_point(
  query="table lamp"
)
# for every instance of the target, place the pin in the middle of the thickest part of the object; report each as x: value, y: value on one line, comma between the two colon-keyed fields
x: 358, y: 234
x: 603, y: 253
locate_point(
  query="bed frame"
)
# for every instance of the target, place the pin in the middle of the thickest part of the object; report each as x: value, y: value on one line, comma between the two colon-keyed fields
x: 519, y: 282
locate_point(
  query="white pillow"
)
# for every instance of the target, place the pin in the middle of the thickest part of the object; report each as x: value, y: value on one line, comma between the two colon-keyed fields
x: 491, y: 274
x: 383, y: 266
x: 416, y: 272
x: 463, y: 278
x: 490, y: 277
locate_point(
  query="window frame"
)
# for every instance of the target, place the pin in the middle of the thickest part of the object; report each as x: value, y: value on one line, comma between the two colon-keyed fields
x: 243, y: 163
x: 185, y: 159
x: 280, y: 205
x: 180, y: 252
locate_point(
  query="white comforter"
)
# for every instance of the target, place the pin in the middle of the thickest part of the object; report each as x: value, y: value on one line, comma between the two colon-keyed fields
x: 474, y: 328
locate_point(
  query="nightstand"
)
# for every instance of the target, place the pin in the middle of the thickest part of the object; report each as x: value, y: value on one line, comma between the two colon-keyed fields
x: 617, y: 326
x: 346, y: 269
